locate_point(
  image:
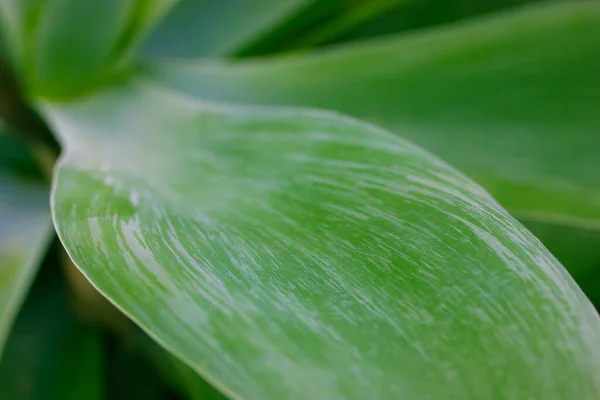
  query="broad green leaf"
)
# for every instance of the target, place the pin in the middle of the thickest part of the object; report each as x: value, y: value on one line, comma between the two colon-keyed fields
x: 511, y: 100
x: 24, y: 233
x: 49, y: 355
x: 577, y: 249
x: 217, y: 27
x: 63, y: 47
x: 295, y: 254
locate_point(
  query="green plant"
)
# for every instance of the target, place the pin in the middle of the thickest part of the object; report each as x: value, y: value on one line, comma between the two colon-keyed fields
x: 264, y: 245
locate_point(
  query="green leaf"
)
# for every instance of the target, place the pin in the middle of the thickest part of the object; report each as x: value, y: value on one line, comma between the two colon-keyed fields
x: 49, y: 355
x: 63, y: 47
x: 348, y: 20
x: 212, y: 28
x: 295, y: 254
x: 24, y: 233
x: 316, y: 17
x: 424, y: 14
x: 511, y: 100
x: 217, y: 27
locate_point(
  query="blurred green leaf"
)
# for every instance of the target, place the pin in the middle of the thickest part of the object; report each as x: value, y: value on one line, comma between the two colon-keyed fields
x: 348, y: 20
x: 24, y: 233
x: 419, y: 14
x: 63, y: 47
x: 48, y: 354
x: 512, y: 100
x: 295, y: 254
x: 316, y: 18
x: 200, y: 28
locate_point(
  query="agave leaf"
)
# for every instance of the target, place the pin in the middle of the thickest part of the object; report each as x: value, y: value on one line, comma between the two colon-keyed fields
x: 574, y: 247
x: 286, y: 253
x: 577, y: 249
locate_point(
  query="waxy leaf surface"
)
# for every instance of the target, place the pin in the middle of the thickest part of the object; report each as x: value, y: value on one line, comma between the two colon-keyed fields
x: 295, y: 254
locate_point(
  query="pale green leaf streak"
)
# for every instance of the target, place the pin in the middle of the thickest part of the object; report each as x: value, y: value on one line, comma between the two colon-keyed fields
x: 217, y: 27
x: 511, y: 100
x: 49, y: 355
x: 289, y: 254
x: 24, y: 233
